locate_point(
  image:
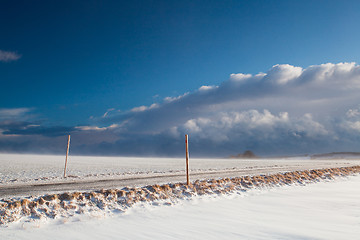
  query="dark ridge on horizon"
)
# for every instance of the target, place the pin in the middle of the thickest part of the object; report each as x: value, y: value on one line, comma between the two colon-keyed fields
x: 246, y: 155
x: 334, y: 154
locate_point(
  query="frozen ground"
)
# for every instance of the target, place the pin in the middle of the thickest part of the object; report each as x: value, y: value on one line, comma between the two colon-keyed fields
x: 24, y: 175
x: 325, y: 210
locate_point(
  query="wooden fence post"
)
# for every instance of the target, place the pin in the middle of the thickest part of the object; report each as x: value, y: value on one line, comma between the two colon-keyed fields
x: 187, y: 158
x: 67, y: 153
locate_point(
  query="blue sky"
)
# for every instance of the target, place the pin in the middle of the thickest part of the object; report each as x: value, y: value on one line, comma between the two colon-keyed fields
x: 65, y: 64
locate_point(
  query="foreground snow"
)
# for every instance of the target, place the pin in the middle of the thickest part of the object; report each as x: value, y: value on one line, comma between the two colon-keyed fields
x: 325, y: 210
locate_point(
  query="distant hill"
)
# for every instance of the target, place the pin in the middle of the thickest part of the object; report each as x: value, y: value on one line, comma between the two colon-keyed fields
x: 333, y: 155
x: 336, y: 155
x: 246, y: 154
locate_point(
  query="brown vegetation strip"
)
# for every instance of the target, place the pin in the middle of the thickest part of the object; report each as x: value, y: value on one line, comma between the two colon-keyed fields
x: 118, y: 200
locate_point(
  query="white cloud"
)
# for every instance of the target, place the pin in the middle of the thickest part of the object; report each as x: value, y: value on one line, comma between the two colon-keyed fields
x: 309, y: 127
x: 283, y: 73
x: 192, y: 126
x: 351, y: 113
x: 139, y: 109
x: 144, y: 108
x: 206, y: 88
x: 96, y: 128
x: 232, y: 126
x: 171, y: 99
x: 320, y: 90
x: 240, y: 77
x: 353, y: 126
x: 341, y: 76
x: 6, y: 56
x: 12, y: 113
x: 90, y: 128
x: 306, y: 109
x: 286, y: 109
x: 107, y: 112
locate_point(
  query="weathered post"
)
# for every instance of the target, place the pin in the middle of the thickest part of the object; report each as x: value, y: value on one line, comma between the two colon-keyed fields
x: 67, y: 153
x: 187, y: 158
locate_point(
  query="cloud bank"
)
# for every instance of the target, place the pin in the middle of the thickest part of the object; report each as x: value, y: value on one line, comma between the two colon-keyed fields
x: 286, y: 110
x: 6, y: 56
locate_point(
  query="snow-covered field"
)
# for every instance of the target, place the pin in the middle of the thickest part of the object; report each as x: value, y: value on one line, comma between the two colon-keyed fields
x: 325, y: 210
x: 18, y: 168
x: 25, y: 175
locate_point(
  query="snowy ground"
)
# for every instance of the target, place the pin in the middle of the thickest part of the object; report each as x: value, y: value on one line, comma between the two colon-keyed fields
x: 17, y: 168
x: 325, y: 210
x: 24, y: 175
x: 90, y: 173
